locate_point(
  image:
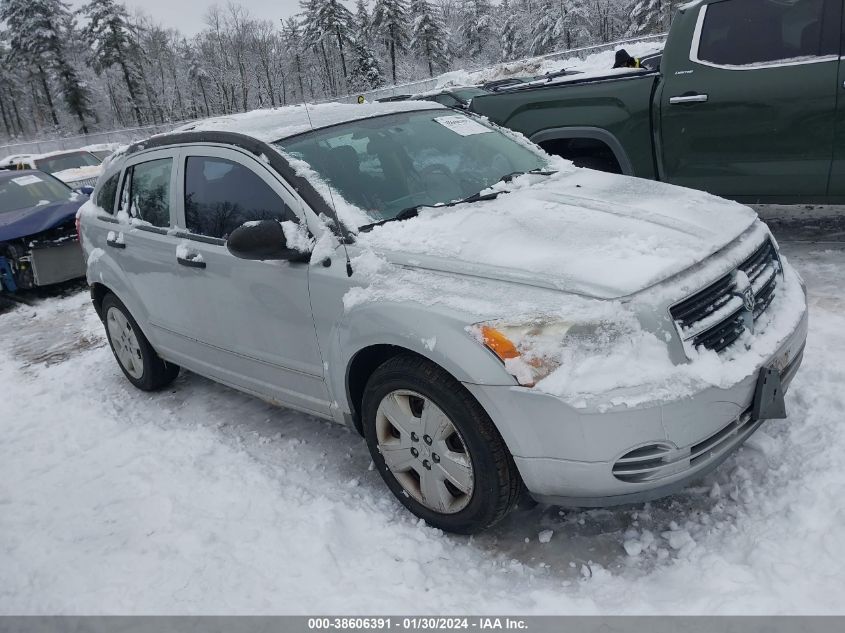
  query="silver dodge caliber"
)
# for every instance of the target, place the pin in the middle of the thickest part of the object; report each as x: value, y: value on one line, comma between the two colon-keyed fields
x: 494, y: 321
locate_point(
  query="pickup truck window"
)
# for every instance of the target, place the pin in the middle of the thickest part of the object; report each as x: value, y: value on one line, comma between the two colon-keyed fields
x: 746, y: 32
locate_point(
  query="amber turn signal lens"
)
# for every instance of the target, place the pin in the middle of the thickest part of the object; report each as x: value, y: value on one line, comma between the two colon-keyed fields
x: 498, y: 343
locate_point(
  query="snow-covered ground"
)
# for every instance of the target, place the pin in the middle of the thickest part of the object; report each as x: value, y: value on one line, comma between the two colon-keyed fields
x: 202, y: 500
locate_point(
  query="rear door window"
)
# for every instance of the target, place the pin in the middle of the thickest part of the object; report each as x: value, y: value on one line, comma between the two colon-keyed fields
x: 146, y: 192
x: 748, y: 32
x: 221, y: 195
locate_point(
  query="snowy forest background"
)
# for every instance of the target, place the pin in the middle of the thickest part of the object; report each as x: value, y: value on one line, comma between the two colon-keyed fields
x: 65, y: 72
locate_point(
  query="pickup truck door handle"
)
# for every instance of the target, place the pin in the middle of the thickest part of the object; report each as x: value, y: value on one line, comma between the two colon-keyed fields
x: 688, y: 99
x: 191, y: 260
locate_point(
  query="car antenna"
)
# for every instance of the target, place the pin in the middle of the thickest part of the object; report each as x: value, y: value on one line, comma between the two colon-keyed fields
x: 340, y: 225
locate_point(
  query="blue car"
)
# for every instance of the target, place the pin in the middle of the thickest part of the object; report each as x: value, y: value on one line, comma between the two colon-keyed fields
x: 39, y: 243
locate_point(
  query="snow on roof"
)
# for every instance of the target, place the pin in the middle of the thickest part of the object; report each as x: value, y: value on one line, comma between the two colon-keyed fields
x: 59, y: 152
x: 31, y: 158
x: 14, y: 159
x: 272, y: 124
x: 102, y: 147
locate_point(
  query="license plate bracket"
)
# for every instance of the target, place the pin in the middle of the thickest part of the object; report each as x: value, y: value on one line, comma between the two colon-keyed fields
x: 768, y: 396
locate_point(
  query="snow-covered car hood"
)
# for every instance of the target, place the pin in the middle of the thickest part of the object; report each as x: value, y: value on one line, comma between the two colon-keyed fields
x: 33, y: 220
x: 77, y: 174
x: 581, y: 231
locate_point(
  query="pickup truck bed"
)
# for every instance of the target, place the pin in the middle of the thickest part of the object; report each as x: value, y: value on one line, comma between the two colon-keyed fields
x: 568, y: 117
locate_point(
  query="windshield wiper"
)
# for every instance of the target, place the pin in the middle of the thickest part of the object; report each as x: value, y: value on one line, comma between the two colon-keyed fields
x: 404, y: 214
x: 412, y: 212
x: 515, y: 174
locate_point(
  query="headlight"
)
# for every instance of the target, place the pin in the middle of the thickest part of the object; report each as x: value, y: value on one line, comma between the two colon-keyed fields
x: 532, y: 351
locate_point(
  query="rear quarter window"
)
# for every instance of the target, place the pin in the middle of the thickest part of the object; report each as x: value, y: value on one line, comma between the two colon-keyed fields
x: 146, y: 192
x: 106, y: 194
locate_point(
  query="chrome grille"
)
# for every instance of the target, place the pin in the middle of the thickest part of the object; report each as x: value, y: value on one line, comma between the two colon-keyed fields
x: 716, y: 317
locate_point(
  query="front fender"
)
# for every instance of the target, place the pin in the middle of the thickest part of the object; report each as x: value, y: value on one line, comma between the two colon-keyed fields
x: 432, y: 332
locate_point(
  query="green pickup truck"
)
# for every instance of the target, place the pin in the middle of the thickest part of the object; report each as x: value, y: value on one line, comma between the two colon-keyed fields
x: 748, y: 104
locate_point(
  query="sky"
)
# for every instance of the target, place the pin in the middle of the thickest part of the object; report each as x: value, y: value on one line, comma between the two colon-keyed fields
x: 187, y: 15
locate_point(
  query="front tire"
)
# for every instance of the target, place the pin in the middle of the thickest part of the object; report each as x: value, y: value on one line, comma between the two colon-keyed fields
x: 133, y: 352
x: 436, y: 448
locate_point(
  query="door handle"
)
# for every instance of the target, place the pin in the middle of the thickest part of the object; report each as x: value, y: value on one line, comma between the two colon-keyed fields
x: 689, y: 99
x: 115, y: 240
x: 191, y: 260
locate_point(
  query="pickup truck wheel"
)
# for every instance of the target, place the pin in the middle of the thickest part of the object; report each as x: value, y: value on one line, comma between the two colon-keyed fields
x: 436, y: 447
x: 136, y: 357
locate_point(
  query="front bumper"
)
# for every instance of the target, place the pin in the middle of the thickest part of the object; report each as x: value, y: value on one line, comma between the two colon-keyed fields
x: 566, y: 456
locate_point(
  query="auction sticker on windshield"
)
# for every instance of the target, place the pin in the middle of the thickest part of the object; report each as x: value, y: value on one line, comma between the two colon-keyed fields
x: 23, y: 181
x: 462, y: 125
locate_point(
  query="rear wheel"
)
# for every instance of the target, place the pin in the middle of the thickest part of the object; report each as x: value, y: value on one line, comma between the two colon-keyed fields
x: 136, y: 357
x: 436, y: 448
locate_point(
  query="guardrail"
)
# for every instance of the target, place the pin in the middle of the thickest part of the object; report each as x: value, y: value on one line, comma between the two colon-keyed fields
x: 125, y: 135
x: 129, y: 135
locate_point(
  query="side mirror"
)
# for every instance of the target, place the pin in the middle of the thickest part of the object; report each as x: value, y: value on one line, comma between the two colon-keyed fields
x: 263, y: 240
x: 86, y: 190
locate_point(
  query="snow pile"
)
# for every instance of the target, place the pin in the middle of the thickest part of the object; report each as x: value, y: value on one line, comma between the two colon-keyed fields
x: 296, y: 236
x: 185, y: 250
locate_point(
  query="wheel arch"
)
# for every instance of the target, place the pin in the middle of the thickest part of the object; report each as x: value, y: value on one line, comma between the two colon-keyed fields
x: 600, y: 136
x: 98, y: 293
x: 359, y: 369
x: 99, y: 290
x: 366, y: 360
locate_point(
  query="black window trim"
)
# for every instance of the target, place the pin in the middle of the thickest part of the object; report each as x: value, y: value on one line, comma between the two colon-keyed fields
x: 197, y: 237
x: 696, y: 45
x: 149, y: 228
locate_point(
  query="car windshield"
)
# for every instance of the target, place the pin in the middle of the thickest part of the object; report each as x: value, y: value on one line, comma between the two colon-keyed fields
x: 31, y: 190
x: 388, y: 164
x: 61, y: 162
